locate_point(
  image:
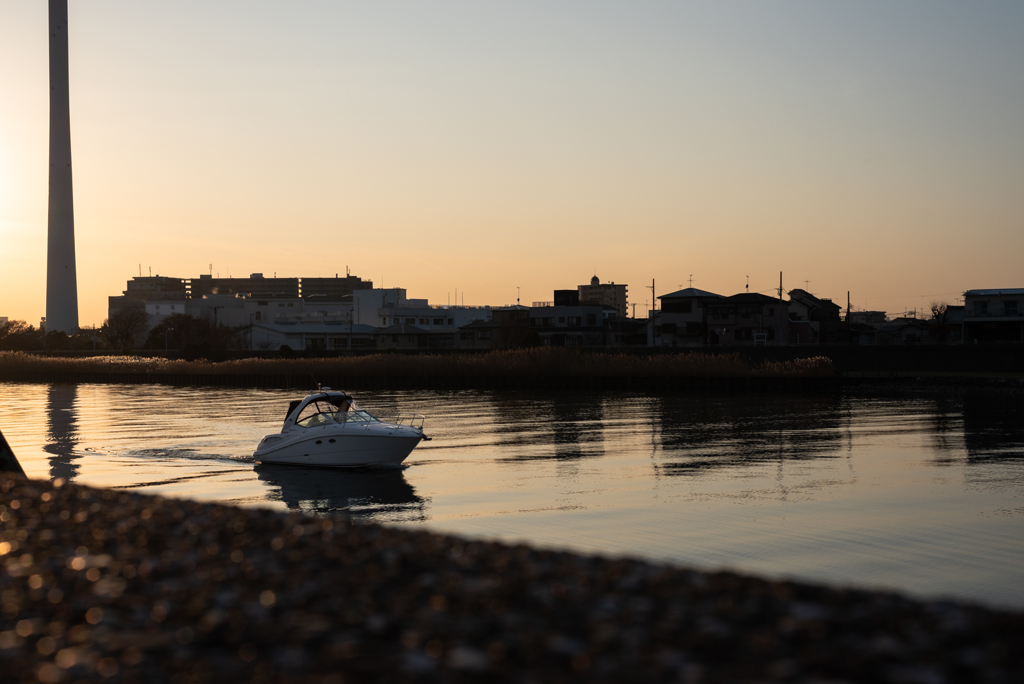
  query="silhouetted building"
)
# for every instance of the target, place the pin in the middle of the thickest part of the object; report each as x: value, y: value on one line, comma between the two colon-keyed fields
x: 609, y: 294
x: 255, y: 285
x: 749, y: 319
x: 155, y: 287
x: 993, y: 316
x: 682, y: 320
x: 333, y: 287
x: 875, y: 319
x: 570, y: 326
x: 567, y: 298
x: 814, y: 320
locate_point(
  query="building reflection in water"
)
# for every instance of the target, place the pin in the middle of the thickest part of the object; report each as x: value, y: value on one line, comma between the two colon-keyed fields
x: 379, y: 494
x: 699, y: 433
x: 62, y: 431
x: 564, y: 427
x: 994, y: 443
x: 946, y: 429
x: 994, y: 429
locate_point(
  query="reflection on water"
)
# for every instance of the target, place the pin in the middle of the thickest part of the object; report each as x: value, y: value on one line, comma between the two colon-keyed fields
x: 993, y: 430
x: 698, y: 433
x: 379, y: 493
x: 923, y: 494
x: 62, y: 431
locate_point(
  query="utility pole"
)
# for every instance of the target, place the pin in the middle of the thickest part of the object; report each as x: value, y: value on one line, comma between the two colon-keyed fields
x: 654, y: 304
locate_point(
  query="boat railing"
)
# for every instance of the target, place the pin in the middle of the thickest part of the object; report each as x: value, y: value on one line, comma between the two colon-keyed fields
x: 415, y: 421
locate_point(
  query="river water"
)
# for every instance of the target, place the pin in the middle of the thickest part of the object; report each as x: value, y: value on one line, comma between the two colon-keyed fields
x: 921, y: 495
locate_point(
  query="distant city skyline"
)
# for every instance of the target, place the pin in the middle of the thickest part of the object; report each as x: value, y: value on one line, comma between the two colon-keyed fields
x: 871, y: 148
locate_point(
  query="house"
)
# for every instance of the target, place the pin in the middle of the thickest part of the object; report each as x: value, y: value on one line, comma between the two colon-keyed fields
x: 749, y: 319
x: 863, y: 334
x: 910, y: 330
x: 876, y: 319
x: 948, y: 327
x: 570, y: 326
x: 512, y: 327
x: 682, y: 320
x: 815, y: 320
x: 993, y: 316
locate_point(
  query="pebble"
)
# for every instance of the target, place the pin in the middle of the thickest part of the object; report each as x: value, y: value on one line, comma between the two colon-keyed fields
x: 113, y: 586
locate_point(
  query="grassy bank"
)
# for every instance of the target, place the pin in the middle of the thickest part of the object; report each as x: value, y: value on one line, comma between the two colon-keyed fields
x: 547, y: 367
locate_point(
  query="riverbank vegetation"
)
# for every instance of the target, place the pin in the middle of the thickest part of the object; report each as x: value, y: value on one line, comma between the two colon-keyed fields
x: 544, y: 362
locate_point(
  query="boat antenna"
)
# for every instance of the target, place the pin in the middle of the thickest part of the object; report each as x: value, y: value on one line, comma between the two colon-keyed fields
x: 315, y: 382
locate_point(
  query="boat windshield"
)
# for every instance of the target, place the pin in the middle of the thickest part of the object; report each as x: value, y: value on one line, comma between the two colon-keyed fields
x: 332, y: 409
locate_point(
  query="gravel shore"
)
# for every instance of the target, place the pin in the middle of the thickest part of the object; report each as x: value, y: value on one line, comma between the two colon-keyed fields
x: 109, y: 585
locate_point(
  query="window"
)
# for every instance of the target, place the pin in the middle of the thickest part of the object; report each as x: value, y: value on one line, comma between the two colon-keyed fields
x: 591, y: 319
x: 981, y: 308
x: 424, y: 321
x: 465, y: 335
x: 261, y: 303
x: 438, y: 321
x: 450, y: 321
x: 692, y: 328
x: 259, y: 314
x: 290, y: 304
x: 574, y: 321
x: 280, y: 306
x: 1010, y: 308
x: 410, y: 321
x: 484, y: 335
x: 574, y: 340
x: 561, y: 319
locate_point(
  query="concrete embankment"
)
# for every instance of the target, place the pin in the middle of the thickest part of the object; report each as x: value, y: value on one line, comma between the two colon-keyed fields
x: 108, y: 585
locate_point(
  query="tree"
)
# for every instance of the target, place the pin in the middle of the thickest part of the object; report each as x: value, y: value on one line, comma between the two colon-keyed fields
x: 123, y: 328
x: 18, y: 336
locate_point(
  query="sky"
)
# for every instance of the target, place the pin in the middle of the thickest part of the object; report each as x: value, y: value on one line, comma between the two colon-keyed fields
x: 498, y: 149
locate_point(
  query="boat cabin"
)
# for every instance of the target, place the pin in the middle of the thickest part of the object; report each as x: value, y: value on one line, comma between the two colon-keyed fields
x: 326, y: 408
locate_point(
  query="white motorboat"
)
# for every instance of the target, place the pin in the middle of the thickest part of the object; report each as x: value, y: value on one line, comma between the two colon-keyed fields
x: 327, y: 428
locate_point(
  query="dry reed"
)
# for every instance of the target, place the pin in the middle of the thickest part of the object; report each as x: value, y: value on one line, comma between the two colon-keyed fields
x: 515, y: 363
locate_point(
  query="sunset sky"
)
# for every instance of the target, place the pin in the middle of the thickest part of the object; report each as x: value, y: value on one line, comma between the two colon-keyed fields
x: 874, y: 147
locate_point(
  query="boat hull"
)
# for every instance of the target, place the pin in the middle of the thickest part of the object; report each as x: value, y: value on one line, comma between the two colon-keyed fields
x: 339, y: 448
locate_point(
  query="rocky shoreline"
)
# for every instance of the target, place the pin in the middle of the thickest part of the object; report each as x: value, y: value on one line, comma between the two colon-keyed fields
x: 109, y: 585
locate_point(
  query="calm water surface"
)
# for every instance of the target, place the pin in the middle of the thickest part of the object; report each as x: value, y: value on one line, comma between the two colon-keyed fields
x: 921, y: 495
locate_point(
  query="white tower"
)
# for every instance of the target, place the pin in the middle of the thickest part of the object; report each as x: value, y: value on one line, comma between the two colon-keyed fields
x: 61, y: 278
